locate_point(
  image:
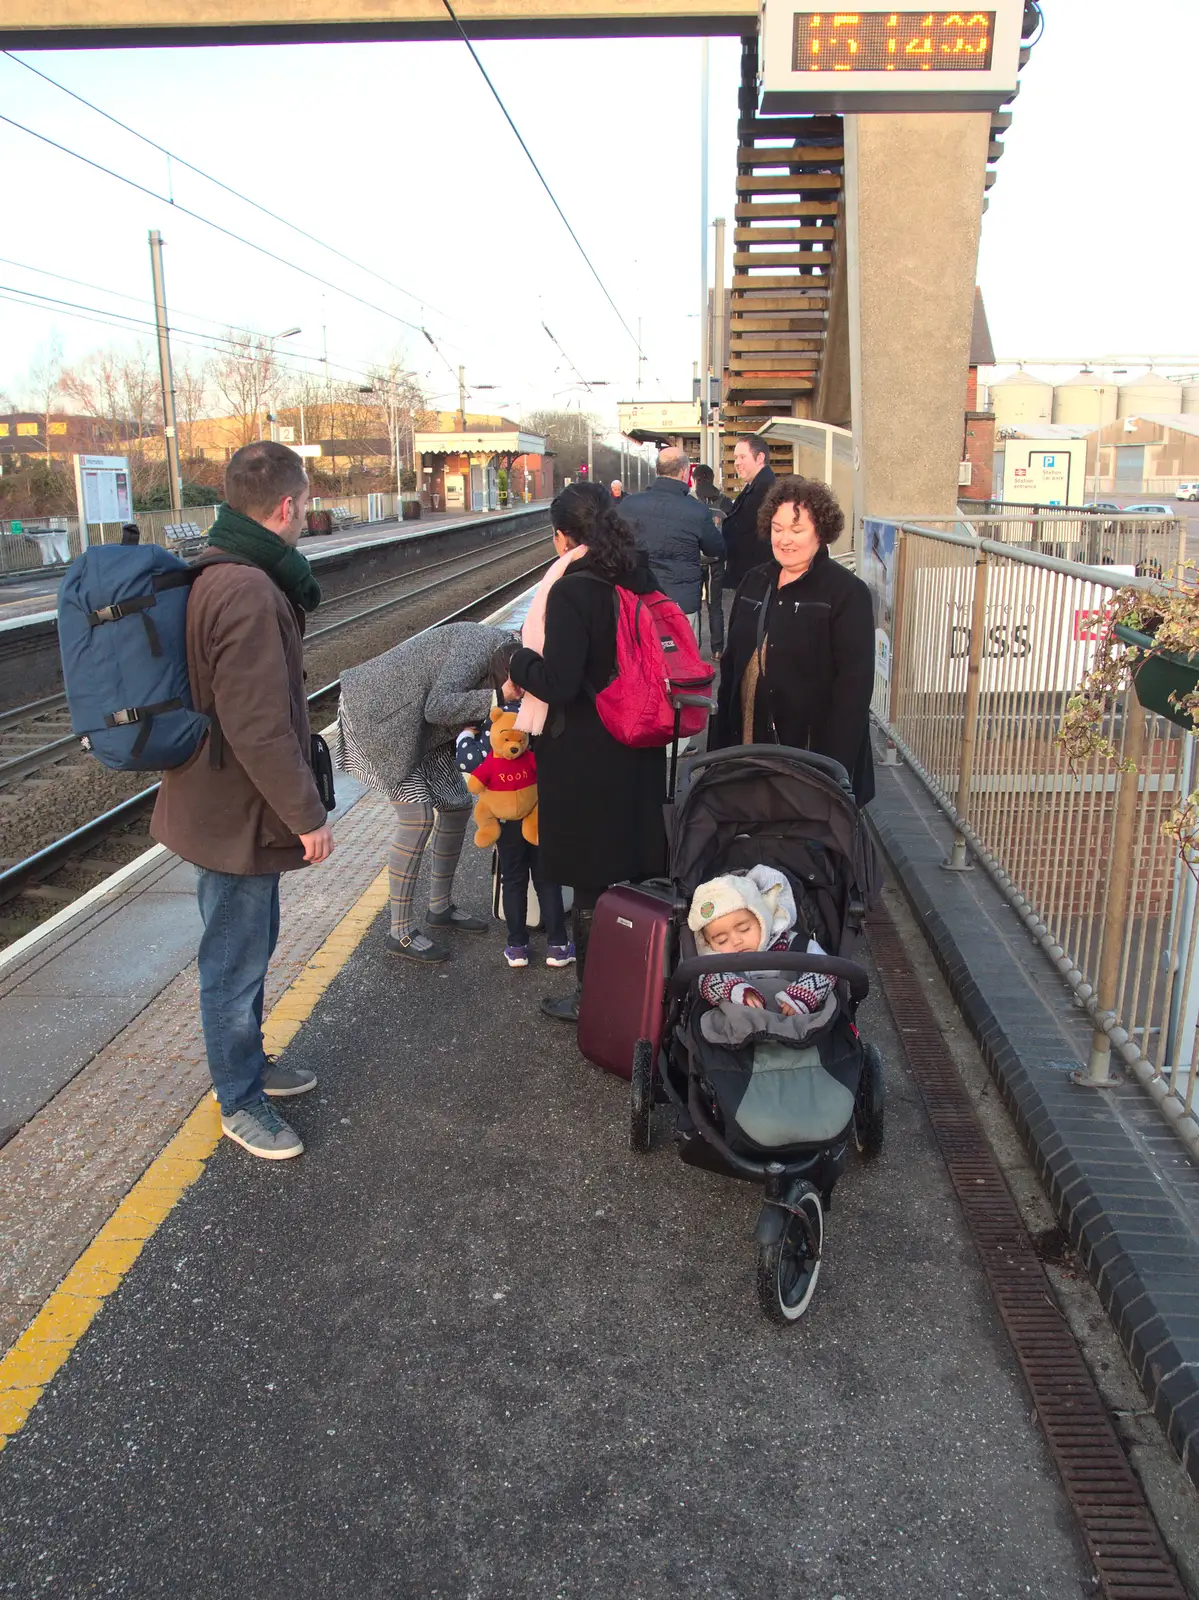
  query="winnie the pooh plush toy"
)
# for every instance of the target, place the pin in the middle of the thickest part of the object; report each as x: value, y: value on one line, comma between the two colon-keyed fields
x: 505, y: 782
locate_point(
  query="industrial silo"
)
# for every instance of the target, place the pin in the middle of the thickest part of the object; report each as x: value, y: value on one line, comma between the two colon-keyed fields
x: 1149, y: 395
x: 1085, y: 399
x: 1021, y: 399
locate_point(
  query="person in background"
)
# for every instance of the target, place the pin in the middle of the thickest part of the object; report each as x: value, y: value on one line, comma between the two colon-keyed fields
x: 617, y: 489
x: 599, y: 801
x: 799, y: 665
x: 130, y: 533
x: 703, y: 487
x: 397, y: 725
x: 675, y: 531
x: 246, y: 807
x: 746, y: 545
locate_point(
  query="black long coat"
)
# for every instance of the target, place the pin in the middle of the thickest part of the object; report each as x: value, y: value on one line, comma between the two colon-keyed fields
x: 745, y: 547
x: 819, y: 671
x: 599, y: 802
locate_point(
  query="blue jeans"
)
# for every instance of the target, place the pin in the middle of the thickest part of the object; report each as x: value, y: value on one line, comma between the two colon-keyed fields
x: 241, y: 929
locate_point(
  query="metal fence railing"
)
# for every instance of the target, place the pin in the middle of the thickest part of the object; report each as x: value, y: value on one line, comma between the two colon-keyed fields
x: 1150, y: 545
x: 986, y: 641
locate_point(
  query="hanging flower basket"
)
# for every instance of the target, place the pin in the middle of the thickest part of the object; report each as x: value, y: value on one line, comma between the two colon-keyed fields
x: 1161, y: 675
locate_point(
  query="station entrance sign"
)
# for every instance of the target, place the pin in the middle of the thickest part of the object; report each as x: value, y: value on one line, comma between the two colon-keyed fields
x: 820, y: 56
x: 102, y: 491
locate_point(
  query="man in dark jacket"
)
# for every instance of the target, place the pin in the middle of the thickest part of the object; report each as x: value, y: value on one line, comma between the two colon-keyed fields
x: 674, y: 530
x: 246, y: 806
x: 746, y: 549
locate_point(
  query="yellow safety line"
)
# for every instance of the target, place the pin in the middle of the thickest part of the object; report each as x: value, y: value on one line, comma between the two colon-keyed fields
x: 68, y: 1313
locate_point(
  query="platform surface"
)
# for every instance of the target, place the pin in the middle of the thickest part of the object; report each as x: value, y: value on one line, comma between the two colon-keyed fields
x: 470, y: 1346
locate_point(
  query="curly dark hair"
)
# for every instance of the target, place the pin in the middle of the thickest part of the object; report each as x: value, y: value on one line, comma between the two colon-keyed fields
x: 817, y: 499
x: 587, y: 514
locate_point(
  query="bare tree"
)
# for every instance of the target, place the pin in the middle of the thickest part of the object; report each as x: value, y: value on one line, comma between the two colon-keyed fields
x: 192, y: 380
x: 301, y: 404
x: 246, y: 375
x: 399, y: 397
x: 119, y: 390
x: 44, y: 384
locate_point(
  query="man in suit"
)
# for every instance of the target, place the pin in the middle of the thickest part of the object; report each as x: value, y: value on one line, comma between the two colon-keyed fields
x: 745, y: 549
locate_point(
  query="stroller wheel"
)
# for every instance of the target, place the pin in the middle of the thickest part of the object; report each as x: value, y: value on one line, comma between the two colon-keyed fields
x: 869, y: 1106
x: 641, y: 1106
x: 789, y: 1266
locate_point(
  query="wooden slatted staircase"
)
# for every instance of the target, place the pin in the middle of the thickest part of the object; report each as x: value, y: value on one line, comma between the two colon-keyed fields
x: 789, y: 193
x: 788, y: 337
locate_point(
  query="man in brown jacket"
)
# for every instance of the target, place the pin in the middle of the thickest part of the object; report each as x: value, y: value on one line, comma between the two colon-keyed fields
x: 246, y: 807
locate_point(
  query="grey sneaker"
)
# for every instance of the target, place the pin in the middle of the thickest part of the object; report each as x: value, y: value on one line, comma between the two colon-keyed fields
x: 282, y: 1082
x: 458, y: 920
x: 262, y: 1131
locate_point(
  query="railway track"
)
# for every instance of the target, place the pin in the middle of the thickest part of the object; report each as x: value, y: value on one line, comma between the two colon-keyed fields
x: 36, y: 888
x: 38, y: 735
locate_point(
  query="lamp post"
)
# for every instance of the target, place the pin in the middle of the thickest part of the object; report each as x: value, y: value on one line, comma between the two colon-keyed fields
x: 272, y: 420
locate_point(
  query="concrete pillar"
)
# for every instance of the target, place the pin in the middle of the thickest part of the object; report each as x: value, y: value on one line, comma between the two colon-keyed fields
x: 913, y: 209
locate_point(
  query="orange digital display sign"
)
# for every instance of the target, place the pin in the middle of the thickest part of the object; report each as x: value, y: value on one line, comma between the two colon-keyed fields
x: 893, y: 41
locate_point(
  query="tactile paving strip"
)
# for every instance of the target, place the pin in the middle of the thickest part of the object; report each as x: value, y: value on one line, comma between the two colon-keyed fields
x: 1131, y: 1561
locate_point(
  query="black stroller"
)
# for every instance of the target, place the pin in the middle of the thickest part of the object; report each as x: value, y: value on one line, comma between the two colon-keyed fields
x: 779, y: 1111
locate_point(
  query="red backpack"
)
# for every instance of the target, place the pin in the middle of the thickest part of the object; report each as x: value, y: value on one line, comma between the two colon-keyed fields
x: 660, y: 691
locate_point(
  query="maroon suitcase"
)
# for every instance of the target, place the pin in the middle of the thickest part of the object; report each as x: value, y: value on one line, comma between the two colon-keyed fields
x: 624, y: 981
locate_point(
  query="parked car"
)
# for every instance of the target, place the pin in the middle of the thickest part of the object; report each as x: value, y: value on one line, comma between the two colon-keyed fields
x: 1102, y: 505
x: 1149, y: 509
x: 1187, y: 491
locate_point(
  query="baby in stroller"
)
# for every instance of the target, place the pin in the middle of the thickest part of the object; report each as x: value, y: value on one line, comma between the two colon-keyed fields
x: 751, y: 911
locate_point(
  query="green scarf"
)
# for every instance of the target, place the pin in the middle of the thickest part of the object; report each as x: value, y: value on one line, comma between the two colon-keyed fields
x: 239, y: 535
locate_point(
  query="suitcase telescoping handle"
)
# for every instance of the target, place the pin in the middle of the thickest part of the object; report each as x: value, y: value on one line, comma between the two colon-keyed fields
x: 678, y: 701
x: 774, y: 961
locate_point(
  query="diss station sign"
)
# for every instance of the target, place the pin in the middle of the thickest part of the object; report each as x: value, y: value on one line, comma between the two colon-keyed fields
x: 824, y: 57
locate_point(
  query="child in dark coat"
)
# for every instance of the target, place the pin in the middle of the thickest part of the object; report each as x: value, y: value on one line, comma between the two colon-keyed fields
x: 520, y: 861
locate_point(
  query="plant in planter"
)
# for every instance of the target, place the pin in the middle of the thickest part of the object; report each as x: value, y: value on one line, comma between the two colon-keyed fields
x: 1149, y: 641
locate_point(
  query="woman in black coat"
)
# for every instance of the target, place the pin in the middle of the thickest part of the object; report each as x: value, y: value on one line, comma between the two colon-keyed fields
x: 799, y: 665
x: 599, y: 801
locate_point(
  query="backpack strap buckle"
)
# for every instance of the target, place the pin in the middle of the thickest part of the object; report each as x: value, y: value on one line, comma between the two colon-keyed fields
x: 121, y: 608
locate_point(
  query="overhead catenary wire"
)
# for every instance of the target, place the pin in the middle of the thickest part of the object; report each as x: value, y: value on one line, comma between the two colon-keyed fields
x: 219, y: 182
x: 229, y: 233
x: 222, y: 340
x: 589, y: 387
x: 541, y: 177
x: 126, y: 322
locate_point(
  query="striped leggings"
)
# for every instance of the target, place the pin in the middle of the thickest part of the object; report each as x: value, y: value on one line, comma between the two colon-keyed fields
x: 414, y: 824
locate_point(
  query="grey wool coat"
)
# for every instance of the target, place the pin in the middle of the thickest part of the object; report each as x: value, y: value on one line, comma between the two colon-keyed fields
x: 401, y: 706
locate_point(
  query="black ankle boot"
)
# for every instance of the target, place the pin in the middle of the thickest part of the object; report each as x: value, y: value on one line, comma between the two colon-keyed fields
x: 565, y: 1008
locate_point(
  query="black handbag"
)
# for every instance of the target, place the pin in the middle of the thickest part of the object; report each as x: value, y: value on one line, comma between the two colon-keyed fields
x: 322, y: 771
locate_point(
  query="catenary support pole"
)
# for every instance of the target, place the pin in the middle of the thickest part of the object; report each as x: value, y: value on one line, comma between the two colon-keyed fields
x: 719, y: 341
x: 705, y: 353
x: 174, y: 479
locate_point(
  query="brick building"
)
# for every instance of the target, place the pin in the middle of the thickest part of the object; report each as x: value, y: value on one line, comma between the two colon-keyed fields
x: 978, y: 435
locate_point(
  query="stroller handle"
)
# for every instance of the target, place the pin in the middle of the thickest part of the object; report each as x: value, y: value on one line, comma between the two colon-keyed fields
x: 775, y: 961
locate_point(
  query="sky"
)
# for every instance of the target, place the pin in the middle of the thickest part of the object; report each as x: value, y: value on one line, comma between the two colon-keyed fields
x: 398, y: 154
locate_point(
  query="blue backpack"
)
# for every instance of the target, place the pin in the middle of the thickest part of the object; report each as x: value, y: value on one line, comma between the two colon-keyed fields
x: 122, y: 620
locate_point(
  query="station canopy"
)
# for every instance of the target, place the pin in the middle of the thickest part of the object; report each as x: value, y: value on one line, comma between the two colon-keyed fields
x: 480, y: 442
